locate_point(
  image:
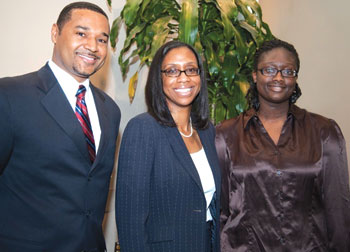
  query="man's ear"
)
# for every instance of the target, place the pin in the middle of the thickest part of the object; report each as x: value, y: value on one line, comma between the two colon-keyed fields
x: 54, y: 33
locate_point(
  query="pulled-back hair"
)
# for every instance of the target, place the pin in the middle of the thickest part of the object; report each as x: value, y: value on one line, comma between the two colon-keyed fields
x: 155, y: 97
x: 66, y: 12
x: 252, y: 94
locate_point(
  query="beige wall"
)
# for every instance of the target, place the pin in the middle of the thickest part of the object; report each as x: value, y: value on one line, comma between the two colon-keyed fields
x: 317, y: 28
x: 319, y: 31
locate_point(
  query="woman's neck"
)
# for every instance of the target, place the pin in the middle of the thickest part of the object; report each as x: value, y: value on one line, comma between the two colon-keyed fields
x: 273, y: 111
x: 182, y: 119
x: 273, y: 118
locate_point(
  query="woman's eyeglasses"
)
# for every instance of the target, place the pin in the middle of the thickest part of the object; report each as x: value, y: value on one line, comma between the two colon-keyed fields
x: 173, y: 72
x: 272, y: 72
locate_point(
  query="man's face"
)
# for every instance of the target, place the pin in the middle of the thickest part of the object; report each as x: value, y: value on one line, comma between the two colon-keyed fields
x: 81, y: 45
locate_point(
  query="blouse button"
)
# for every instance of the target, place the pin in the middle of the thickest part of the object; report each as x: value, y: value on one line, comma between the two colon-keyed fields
x: 281, y: 195
x: 282, y: 240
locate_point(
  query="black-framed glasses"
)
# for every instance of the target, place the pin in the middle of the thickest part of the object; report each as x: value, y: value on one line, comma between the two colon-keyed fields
x: 174, y: 72
x: 272, y: 72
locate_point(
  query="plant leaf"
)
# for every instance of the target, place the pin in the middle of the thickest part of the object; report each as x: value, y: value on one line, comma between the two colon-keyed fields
x: 228, y: 12
x: 130, y: 10
x: 188, y: 24
x: 132, y: 86
x: 230, y: 66
x: 127, y: 43
x: 130, y: 38
x: 211, y: 59
x: 220, y: 112
x: 144, y: 4
x: 240, y: 45
x: 254, y: 6
x: 161, y: 32
x: 252, y: 30
x: 115, y: 31
x: 228, y: 8
x: 246, y: 7
x: 244, y: 86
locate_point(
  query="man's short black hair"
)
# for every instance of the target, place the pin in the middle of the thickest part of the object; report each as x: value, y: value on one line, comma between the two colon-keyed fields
x: 66, y: 13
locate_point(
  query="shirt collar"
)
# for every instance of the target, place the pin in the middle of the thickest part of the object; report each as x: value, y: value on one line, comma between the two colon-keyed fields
x: 294, y: 111
x: 69, y: 85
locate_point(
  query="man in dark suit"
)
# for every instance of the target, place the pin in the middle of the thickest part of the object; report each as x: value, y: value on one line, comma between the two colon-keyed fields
x: 57, y: 142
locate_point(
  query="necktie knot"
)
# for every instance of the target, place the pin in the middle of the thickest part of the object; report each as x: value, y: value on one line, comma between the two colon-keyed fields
x: 81, y: 92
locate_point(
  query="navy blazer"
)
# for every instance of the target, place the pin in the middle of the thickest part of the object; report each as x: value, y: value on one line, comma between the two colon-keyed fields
x: 52, y: 198
x: 160, y: 204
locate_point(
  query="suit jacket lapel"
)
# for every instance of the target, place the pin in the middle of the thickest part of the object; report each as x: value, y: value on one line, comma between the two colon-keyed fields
x: 57, y: 105
x: 103, y: 120
x: 182, y: 154
x: 210, y: 152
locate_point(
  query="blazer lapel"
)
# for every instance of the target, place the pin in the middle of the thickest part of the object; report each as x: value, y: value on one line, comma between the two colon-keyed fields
x: 103, y: 120
x: 210, y: 151
x: 57, y: 105
x: 182, y: 154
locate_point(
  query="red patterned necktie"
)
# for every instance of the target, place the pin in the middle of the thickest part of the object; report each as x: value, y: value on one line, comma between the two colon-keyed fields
x: 83, y: 117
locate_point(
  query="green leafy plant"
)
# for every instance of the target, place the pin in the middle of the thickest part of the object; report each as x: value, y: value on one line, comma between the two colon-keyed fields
x: 225, y: 32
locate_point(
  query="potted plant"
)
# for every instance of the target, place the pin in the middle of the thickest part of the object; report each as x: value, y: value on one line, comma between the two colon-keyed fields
x: 225, y: 32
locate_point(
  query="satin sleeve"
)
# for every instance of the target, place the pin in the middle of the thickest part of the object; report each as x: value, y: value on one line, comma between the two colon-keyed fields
x: 133, y: 186
x: 335, y: 190
x: 221, y: 149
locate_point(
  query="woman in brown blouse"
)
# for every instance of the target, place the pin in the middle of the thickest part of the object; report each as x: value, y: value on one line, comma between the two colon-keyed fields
x: 285, y: 183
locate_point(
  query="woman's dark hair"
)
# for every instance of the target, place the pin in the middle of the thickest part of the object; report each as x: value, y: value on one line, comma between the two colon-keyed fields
x: 155, y: 97
x: 252, y: 94
x: 66, y: 12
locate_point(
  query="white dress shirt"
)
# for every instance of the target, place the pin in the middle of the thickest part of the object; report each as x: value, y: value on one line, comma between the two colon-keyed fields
x: 70, y: 87
x: 205, y: 174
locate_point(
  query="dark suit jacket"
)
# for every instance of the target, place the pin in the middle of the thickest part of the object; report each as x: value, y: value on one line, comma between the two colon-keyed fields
x: 160, y: 204
x: 52, y: 198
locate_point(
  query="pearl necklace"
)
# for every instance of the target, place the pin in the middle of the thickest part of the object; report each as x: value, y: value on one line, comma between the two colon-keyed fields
x: 189, y: 135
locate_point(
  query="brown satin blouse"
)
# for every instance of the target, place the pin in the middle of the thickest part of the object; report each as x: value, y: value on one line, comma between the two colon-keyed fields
x: 293, y: 196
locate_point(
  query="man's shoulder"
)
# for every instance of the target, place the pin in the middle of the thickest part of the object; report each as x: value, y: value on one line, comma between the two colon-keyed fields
x: 12, y: 81
x: 27, y: 80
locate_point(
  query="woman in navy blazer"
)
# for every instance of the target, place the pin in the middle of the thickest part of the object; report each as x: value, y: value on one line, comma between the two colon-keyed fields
x: 168, y: 183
